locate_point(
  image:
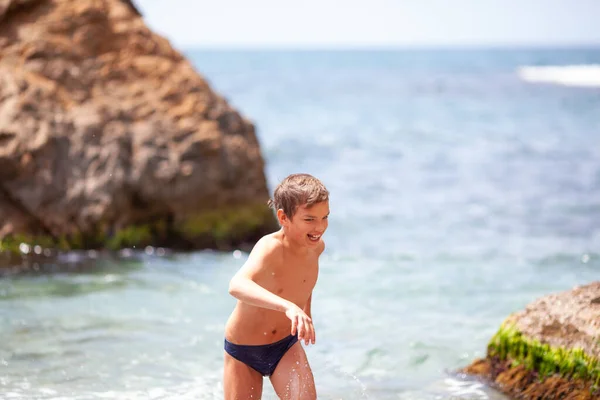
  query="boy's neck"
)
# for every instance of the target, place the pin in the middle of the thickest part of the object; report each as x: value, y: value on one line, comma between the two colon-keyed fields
x: 292, y: 246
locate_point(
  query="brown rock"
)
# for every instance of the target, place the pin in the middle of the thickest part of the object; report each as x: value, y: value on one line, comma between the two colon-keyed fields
x: 104, y: 126
x: 566, y: 321
x: 520, y: 383
x: 570, y: 319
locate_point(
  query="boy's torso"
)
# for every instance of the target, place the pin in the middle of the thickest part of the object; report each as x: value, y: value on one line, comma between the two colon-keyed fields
x: 291, y: 277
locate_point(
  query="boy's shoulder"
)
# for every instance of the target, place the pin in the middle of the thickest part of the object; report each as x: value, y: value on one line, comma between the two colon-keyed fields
x: 268, y: 246
x: 271, y: 247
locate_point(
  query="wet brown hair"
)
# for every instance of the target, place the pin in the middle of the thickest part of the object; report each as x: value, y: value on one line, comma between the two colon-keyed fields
x: 296, y: 190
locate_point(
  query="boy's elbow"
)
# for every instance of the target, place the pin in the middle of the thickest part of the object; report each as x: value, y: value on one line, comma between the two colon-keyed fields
x: 234, y: 288
x: 238, y: 286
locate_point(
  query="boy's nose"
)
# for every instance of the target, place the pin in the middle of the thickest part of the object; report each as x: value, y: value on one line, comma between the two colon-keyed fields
x: 322, y: 227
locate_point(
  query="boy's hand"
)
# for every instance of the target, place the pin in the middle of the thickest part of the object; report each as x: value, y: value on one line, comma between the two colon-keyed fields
x: 301, y: 323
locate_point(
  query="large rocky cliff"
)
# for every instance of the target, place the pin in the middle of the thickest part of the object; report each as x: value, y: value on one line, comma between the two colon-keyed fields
x: 110, y: 138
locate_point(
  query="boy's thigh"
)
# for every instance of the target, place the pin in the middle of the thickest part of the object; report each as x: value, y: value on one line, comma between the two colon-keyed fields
x: 240, y: 382
x: 293, y: 378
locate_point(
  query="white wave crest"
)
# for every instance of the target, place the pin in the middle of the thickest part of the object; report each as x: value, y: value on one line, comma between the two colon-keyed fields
x: 585, y: 75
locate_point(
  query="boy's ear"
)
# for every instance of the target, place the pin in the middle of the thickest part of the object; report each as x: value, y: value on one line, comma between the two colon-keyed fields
x: 281, y: 217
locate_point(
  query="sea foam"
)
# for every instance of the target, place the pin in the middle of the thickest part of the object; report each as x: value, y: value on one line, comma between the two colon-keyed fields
x: 585, y: 75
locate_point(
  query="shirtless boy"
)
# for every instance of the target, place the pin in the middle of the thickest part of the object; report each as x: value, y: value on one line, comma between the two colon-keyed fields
x: 274, y: 287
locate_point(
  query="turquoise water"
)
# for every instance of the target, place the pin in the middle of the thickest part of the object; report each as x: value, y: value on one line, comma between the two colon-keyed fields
x: 460, y: 193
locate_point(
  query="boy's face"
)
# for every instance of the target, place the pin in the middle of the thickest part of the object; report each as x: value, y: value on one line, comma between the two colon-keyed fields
x: 308, y: 224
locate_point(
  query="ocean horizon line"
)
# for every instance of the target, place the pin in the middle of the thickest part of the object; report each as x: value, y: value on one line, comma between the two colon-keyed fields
x: 384, y: 47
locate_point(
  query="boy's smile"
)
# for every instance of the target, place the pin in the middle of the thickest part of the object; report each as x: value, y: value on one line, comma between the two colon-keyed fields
x: 314, y: 238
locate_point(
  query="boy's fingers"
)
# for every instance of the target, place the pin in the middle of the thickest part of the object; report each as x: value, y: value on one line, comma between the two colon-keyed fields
x: 301, y: 328
x: 308, y: 335
x: 307, y: 331
x: 294, y: 324
x: 298, y: 326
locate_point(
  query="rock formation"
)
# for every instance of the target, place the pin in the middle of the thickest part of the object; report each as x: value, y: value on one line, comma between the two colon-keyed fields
x: 550, y: 350
x: 110, y: 138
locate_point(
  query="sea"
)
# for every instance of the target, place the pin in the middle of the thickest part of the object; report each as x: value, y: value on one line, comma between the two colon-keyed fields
x: 465, y: 183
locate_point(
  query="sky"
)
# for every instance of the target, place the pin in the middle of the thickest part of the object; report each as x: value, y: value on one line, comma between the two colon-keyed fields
x: 373, y: 23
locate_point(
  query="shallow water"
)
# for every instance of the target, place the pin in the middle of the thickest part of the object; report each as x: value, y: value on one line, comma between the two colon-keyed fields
x: 459, y: 194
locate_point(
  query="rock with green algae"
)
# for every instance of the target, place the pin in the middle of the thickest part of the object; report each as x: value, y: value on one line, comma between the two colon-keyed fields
x: 109, y: 138
x: 222, y: 229
x: 549, y: 350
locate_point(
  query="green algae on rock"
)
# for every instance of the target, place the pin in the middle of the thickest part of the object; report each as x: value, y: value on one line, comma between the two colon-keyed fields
x: 510, y: 344
x: 220, y: 228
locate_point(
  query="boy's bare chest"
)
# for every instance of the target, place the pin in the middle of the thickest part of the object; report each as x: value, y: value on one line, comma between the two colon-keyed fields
x: 293, y: 279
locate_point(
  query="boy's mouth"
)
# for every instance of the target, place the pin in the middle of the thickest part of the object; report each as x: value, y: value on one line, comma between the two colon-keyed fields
x: 314, y: 238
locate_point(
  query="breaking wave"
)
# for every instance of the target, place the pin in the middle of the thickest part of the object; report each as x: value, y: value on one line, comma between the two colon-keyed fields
x: 585, y: 75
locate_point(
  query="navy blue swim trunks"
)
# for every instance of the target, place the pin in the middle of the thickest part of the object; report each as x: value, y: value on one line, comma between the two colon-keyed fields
x: 262, y: 358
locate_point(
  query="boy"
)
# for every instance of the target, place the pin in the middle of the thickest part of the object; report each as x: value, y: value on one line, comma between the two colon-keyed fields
x: 274, y: 291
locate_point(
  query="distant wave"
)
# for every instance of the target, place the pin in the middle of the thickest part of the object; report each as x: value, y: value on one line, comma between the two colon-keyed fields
x: 586, y: 75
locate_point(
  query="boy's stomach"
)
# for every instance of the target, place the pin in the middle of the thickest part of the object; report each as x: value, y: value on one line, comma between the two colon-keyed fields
x: 250, y: 325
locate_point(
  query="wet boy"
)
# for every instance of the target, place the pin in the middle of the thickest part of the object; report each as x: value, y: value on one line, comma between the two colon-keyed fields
x: 274, y: 291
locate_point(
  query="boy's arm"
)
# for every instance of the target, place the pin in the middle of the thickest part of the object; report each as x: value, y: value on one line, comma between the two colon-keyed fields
x: 244, y: 288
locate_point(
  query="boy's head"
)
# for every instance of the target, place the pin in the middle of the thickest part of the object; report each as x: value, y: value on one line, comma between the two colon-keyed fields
x: 298, y: 190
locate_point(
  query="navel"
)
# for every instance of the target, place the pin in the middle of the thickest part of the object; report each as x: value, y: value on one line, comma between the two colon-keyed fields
x: 274, y: 331
x: 280, y: 290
